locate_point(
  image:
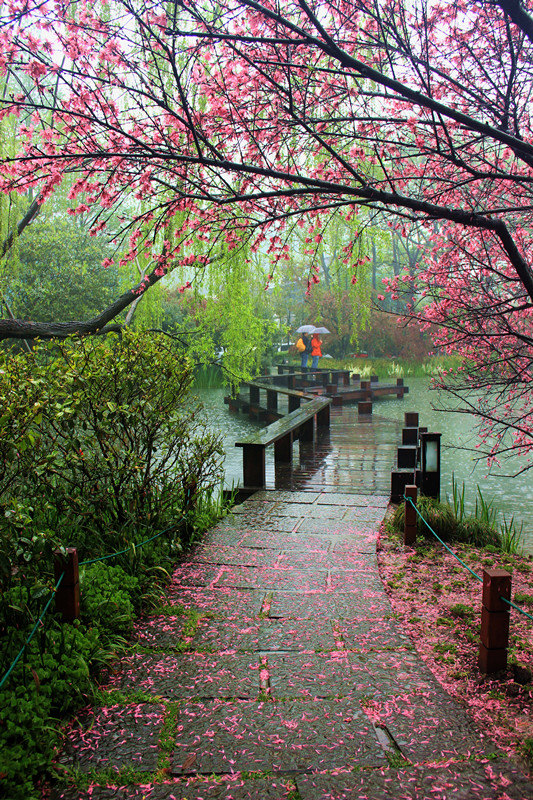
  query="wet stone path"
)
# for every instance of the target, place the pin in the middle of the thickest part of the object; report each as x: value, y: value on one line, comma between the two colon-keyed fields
x: 278, y: 672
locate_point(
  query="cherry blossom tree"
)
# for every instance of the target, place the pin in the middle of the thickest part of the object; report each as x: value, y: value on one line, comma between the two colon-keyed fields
x: 205, y: 126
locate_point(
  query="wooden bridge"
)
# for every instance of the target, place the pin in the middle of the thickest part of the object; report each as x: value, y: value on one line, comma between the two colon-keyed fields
x: 341, y: 445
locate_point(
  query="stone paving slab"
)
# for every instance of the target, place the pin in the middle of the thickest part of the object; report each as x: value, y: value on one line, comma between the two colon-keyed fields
x: 164, y: 631
x: 217, y: 635
x: 216, y: 538
x: 369, y: 605
x: 184, y: 675
x: 232, y: 787
x: 288, y: 579
x: 220, y: 737
x: 287, y: 541
x: 313, y: 511
x: 220, y: 602
x: 237, y: 556
x: 365, y: 635
x: 306, y: 559
x: 351, y: 580
x: 363, y: 542
x: 295, y: 636
x: 280, y: 496
x: 325, y: 527
x: 115, y: 737
x: 347, y: 499
x: 257, y: 520
x: 465, y: 780
x: 317, y: 675
x: 195, y: 574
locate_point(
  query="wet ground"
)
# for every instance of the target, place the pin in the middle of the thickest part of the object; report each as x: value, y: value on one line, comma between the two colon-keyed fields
x: 278, y: 670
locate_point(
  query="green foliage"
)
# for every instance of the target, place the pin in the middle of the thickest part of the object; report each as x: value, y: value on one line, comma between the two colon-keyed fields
x: 440, y: 517
x: 59, y: 273
x: 27, y: 740
x: 480, y: 526
x: 107, y: 597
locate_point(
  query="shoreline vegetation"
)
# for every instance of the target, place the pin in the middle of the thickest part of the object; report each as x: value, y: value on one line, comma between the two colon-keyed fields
x: 439, y: 605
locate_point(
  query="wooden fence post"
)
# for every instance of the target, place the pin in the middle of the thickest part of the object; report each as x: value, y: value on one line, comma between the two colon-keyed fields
x: 409, y: 527
x: 68, y: 592
x: 494, y: 620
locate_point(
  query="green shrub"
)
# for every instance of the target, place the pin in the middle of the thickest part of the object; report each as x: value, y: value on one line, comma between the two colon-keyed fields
x: 108, y: 429
x: 108, y: 597
x: 27, y: 741
x: 478, y: 532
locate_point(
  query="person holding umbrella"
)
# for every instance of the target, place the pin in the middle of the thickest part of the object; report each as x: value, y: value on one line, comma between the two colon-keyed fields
x: 316, y: 350
x: 303, y: 345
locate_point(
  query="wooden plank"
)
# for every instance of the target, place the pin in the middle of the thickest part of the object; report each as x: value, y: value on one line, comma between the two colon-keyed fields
x: 289, y: 422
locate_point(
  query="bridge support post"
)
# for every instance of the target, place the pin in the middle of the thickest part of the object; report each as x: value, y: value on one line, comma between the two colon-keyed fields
x: 283, y: 449
x: 294, y: 402
x: 323, y: 417
x: 253, y: 465
x: 306, y: 431
x: 272, y: 400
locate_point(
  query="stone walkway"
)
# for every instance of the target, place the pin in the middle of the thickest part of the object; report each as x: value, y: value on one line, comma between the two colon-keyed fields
x: 278, y: 672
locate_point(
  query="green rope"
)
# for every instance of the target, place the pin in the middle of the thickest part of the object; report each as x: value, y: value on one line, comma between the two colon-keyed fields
x: 443, y: 543
x: 28, y: 640
x: 510, y: 602
x: 127, y: 550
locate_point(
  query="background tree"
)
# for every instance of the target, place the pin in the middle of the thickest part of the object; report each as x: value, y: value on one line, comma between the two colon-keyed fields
x: 243, y: 120
x: 56, y: 272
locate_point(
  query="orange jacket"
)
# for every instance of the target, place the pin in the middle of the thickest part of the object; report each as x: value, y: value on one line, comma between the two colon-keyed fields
x: 316, y: 350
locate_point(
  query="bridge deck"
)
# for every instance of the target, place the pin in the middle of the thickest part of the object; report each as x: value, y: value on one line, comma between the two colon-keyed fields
x: 356, y: 455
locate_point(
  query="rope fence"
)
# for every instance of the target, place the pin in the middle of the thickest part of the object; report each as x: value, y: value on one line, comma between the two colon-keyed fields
x: 66, y: 589
x: 30, y: 637
x: 495, y: 598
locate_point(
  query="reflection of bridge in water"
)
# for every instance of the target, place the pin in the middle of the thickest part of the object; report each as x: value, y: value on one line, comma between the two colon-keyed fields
x: 337, y: 445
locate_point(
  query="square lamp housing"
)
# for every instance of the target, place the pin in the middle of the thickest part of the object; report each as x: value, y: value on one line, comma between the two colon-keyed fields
x: 430, y: 464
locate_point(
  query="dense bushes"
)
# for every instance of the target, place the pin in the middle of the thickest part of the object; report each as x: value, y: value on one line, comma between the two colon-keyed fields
x: 101, y: 447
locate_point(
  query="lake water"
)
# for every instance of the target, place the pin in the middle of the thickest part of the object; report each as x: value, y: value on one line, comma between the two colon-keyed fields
x: 511, y: 496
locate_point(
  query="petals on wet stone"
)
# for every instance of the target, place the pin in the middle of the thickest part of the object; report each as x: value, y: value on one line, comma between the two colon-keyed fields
x: 335, y: 667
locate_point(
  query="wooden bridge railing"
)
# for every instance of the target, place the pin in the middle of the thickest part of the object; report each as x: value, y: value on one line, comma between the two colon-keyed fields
x: 302, y: 423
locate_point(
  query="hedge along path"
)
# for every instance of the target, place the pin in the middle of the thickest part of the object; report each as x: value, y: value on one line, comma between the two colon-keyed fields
x: 278, y: 671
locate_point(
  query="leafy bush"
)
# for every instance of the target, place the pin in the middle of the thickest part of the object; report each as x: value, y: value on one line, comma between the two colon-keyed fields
x: 108, y: 430
x: 107, y: 597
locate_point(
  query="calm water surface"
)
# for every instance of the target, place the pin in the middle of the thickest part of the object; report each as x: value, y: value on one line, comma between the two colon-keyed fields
x: 511, y: 496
